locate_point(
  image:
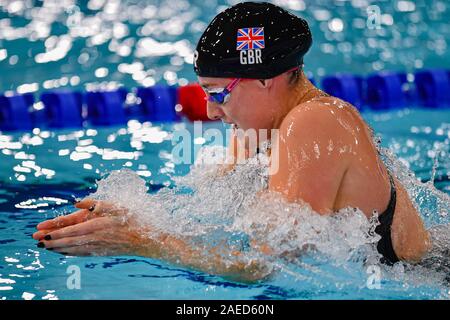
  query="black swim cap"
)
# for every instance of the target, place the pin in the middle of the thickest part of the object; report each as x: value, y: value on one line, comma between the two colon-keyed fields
x: 252, y: 40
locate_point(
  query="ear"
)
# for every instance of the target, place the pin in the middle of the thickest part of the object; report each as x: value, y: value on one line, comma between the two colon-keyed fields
x: 265, y: 83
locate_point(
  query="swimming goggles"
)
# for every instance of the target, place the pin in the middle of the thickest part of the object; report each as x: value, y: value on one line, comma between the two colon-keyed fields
x: 222, y: 95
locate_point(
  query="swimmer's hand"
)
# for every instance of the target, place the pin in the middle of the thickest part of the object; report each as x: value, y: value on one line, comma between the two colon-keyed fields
x: 100, y: 228
x: 89, y: 209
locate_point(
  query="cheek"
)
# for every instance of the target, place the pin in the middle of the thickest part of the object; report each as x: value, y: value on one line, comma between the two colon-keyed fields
x: 240, y: 113
x: 233, y: 110
x: 251, y: 117
x: 244, y: 108
x: 247, y: 112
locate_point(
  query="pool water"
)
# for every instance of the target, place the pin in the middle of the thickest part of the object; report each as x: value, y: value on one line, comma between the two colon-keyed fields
x: 46, y: 45
x: 43, y: 171
x: 86, y: 44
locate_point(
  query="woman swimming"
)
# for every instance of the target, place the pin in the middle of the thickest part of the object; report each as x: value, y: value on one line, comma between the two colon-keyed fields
x: 249, y: 61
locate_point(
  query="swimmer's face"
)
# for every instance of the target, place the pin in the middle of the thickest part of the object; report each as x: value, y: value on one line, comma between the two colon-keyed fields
x: 247, y: 106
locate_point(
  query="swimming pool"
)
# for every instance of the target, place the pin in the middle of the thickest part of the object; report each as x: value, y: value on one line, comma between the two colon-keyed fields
x: 43, y: 170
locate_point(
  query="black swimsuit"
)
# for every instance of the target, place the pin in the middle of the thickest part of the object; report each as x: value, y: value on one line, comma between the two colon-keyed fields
x: 384, y: 245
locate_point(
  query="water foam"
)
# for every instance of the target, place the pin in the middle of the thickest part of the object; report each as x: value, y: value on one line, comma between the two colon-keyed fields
x: 234, y: 207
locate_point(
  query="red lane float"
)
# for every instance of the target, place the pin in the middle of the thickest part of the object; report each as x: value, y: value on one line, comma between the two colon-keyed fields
x: 192, y: 100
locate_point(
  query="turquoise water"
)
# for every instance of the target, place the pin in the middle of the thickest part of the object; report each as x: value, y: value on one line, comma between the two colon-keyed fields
x: 51, y: 44
x: 43, y: 171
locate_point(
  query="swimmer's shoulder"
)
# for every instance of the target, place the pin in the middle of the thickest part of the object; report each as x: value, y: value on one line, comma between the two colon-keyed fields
x: 320, y: 117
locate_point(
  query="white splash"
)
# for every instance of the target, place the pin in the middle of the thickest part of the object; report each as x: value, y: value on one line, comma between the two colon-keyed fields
x: 235, y: 208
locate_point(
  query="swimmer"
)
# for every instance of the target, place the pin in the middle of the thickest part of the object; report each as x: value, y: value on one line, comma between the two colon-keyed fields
x: 249, y: 61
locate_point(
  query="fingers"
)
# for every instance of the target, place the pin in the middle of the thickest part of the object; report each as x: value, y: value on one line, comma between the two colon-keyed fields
x: 86, y: 203
x: 99, y: 207
x: 69, y: 242
x: 63, y: 221
x: 76, y: 233
x: 39, y: 235
x: 82, y: 228
x: 94, y: 209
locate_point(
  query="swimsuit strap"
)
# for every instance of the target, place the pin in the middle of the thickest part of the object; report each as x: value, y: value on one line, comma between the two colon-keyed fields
x: 384, y: 245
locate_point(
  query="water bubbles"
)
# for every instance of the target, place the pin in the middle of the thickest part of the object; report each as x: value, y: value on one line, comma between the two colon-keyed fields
x: 336, y: 25
x: 13, y: 60
x: 406, y: 6
x: 3, y: 54
x: 101, y: 72
x: 28, y: 296
x: 104, y: 23
x: 297, y: 5
x: 148, y: 82
x: 27, y: 87
x: 327, y: 48
x: 418, y: 63
x: 61, y: 47
x: 74, y: 81
x: 170, y: 77
x: 120, y: 30
x: 321, y: 14
x: 231, y: 207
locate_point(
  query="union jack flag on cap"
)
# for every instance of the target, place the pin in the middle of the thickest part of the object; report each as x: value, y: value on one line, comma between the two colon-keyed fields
x: 250, y: 38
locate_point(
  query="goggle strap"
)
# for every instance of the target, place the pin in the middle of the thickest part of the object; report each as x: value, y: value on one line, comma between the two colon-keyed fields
x: 233, y: 84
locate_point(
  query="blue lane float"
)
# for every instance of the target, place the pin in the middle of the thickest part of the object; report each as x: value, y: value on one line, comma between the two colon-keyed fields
x: 158, y: 103
x: 347, y: 87
x: 14, y: 112
x: 106, y: 108
x: 433, y: 88
x: 386, y: 91
x: 409, y: 88
x: 63, y: 108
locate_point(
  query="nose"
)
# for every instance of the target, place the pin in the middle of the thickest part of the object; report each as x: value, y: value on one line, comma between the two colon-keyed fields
x: 214, y: 111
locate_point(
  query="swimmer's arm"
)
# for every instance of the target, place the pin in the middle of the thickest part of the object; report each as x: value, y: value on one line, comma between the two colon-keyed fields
x: 100, y: 232
x: 213, y: 260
